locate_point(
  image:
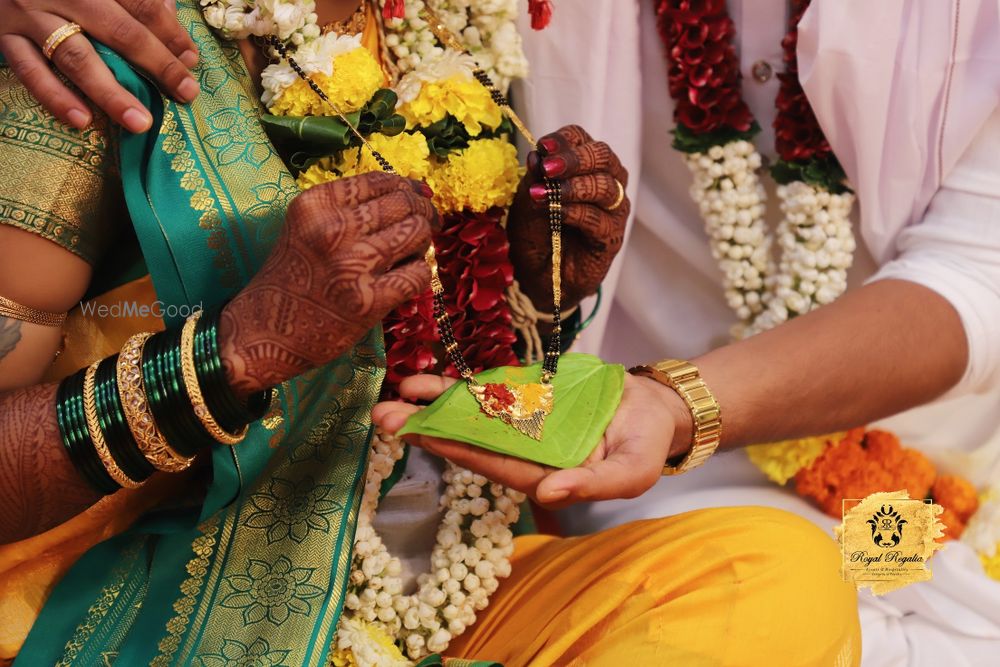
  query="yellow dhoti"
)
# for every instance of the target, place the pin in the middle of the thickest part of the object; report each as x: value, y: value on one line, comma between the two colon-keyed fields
x: 734, y: 586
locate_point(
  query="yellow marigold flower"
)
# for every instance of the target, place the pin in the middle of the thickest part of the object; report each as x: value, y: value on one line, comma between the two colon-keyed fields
x: 356, y: 77
x: 465, y: 99
x: 780, y: 461
x: 371, y: 646
x: 484, y: 175
x: 407, y: 153
x: 991, y: 564
x: 318, y: 173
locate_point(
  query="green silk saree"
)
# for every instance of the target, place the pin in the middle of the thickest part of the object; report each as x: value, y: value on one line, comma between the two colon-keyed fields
x: 257, y: 576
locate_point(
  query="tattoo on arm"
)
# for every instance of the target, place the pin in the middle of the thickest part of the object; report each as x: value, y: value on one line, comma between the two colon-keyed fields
x: 39, y: 487
x: 10, y: 335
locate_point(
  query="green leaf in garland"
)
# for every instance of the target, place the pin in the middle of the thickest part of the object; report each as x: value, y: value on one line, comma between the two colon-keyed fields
x: 320, y: 133
x: 587, y: 393
x: 687, y: 141
x: 826, y: 173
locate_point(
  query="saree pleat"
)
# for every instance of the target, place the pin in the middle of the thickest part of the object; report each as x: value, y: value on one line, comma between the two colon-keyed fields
x: 260, y: 568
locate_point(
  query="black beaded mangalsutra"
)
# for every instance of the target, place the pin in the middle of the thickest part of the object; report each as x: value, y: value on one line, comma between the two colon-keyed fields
x: 522, y: 406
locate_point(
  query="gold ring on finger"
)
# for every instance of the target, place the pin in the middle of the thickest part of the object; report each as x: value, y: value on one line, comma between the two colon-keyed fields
x: 58, y: 36
x: 621, y: 196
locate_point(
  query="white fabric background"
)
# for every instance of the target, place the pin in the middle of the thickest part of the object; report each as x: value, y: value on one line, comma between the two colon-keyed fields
x: 874, y: 72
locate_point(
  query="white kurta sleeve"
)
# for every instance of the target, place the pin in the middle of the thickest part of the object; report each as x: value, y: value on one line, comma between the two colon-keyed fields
x: 955, y: 251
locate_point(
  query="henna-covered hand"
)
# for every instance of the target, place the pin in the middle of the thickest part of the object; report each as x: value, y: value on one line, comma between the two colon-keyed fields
x: 594, y: 228
x: 350, y: 252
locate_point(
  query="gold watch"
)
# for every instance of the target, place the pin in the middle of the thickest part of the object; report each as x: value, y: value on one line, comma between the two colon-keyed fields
x: 706, y: 416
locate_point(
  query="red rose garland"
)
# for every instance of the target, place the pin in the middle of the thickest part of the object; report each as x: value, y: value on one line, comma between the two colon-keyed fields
x: 704, y: 76
x: 472, y: 253
x: 797, y: 135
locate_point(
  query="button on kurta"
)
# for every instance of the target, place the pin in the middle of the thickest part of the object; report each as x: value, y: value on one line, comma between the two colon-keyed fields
x: 762, y: 71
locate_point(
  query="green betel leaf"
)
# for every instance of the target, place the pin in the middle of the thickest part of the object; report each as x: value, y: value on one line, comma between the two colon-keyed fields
x: 587, y: 393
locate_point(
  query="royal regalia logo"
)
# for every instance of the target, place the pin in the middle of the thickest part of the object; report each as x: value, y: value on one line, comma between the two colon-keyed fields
x: 886, y: 540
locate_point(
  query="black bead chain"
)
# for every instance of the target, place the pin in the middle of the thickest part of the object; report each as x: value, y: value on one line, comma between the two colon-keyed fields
x: 553, y: 193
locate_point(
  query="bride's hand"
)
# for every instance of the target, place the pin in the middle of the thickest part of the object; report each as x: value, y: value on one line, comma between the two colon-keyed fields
x: 350, y: 252
x: 626, y: 463
x: 593, y: 182
x: 144, y: 32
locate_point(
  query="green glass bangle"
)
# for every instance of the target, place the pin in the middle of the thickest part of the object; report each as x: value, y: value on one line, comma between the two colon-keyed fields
x: 76, y: 438
x: 229, y: 411
x: 167, y: 397
x: 121, y: 444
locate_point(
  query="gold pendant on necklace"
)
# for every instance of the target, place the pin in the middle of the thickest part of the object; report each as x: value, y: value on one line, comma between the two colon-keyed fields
x: 522, y: 406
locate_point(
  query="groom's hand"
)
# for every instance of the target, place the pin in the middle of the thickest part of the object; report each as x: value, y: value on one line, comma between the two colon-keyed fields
x: 144, y: 32
x: 625, y: 464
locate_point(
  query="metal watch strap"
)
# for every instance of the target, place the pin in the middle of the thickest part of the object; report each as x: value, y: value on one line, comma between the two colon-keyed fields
x: 706, y: 416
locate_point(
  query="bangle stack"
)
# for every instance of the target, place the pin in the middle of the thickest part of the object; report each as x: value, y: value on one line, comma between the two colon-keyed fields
x: 153, y: 406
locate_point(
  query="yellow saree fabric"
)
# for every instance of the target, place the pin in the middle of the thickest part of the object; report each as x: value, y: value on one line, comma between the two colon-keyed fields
x: 736, y: 586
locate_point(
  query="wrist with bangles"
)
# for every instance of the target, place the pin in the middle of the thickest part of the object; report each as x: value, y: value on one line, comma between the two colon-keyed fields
x: 706, y: 416
x: 153, y: 406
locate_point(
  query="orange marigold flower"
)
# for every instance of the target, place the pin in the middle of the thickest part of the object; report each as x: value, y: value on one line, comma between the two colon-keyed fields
x: 862, y: 464
x: 953, y: 525
x: 956, y: 494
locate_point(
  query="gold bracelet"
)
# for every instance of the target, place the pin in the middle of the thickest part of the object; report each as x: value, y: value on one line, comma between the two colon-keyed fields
x: 151, y: 442
x: 194, y: 389
x: 16, y: 311
x: 97, y: 435
x: 706, y: 415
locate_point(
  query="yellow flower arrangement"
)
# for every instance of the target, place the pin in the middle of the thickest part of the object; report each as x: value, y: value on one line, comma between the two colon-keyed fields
x: 465, y: 99
x: 408, y: 153
x: 780, y: 461
x: 356, y: 77
x: 379, y: 646
x: 991, y: 564
x: 484, y: 175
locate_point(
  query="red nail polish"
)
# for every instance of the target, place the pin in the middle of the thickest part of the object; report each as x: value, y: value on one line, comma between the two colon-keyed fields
x: 426, y: 191
x: 549, y: 145
x: 538, y: 192
x: 554, y: 166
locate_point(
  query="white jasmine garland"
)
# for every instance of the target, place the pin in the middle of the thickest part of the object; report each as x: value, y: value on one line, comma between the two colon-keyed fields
x: 471, y: 554
x: 815, y: 237
x: 291, y: 21
x: 731, y: 200
x: 817, y: 248
x: 488, y: 28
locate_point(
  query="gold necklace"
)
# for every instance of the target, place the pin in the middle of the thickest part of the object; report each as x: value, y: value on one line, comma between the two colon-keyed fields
x: 352, y: 25
x: 523, y: 406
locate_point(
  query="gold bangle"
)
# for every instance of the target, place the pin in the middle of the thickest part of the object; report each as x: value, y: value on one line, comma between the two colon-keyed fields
x: 151, y: 442
x: 97, y: 435
x: 58, y: 36
x: 706, y: 415
x: 194, y: 389
x: 16, y: 311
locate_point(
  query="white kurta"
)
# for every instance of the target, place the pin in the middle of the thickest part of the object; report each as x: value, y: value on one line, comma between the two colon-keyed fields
x: 907, y: 92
